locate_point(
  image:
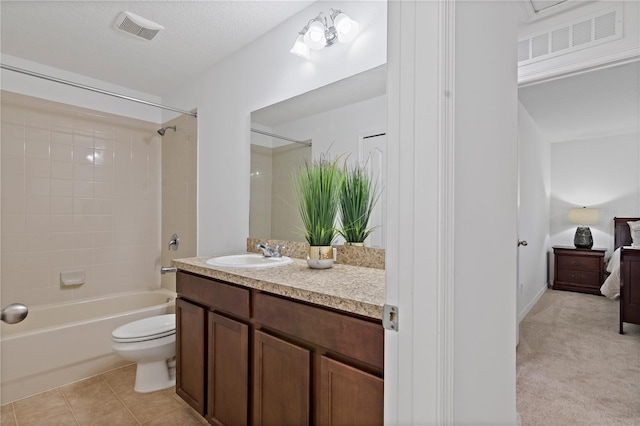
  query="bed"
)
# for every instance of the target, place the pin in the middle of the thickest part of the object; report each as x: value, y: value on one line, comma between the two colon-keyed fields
x: 624, y: 268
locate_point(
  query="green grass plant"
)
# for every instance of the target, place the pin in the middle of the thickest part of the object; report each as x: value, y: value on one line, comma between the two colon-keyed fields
x: 358, y: 196
x: 317, y: 187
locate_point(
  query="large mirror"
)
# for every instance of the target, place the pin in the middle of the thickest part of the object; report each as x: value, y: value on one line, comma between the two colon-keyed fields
x: 347, y: 118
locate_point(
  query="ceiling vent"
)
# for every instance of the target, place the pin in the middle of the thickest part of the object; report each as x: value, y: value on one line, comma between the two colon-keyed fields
x: 137, y: 26
x: 602, y: 27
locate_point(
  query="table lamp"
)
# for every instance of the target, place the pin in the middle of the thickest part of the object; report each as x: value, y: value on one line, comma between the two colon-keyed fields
x: 582, y: 217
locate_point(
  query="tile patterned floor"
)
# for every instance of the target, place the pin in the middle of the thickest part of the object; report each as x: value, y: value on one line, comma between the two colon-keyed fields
x: 107, y: 399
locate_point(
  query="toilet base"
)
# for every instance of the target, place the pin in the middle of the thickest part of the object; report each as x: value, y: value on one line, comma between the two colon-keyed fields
x: 153, y: 376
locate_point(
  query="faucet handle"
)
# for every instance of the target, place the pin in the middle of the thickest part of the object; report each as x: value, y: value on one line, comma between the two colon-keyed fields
x: 277, y: 248
x: 174, y: 242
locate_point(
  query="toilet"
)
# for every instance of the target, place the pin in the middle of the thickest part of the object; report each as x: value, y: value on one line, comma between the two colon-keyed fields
x: 150, y: 342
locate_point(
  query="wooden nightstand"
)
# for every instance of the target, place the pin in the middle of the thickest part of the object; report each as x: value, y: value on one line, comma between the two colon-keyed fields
x: 579, y: 270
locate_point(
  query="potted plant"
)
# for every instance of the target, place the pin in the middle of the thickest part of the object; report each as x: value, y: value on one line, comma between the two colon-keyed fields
x: 317, y: 189
x: 358, y: 196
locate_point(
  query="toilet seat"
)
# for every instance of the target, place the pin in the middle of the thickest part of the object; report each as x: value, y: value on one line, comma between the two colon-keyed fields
x: 146, y: 329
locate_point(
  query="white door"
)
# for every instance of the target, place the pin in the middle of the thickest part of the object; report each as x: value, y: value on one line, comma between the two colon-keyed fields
x: 533, y: 214
x: 521, y: 245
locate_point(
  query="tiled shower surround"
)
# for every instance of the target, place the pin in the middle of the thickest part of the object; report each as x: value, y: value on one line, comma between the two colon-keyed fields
x: 179, y: 177
x: 81, y: 190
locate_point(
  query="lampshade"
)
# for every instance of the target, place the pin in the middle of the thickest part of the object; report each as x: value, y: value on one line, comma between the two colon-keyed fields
x: 301, y: 49
x: 346, y: 27
x: 315, y: 38
x: 584, y: 216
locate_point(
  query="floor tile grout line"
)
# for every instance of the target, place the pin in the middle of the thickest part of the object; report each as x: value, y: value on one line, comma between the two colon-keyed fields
x: 121, y: 400
x: 13, y: 411
x: 66, y: 400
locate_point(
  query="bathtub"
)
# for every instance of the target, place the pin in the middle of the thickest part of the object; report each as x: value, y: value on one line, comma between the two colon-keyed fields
x: 62, y: 343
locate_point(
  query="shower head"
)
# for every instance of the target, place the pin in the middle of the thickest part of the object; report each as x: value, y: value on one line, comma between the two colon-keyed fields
x: 162, y: 131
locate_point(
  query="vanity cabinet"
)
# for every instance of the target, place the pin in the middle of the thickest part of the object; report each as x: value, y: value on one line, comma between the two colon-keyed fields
x: 346, y: 395
x: 190, y: 354
x: 228, y: 371
x: 281, y: 385
x: 248, y: 357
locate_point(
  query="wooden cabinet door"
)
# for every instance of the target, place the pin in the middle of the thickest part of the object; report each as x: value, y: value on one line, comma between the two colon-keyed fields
x: 228, y: 371
x: 348, y: 396
x: 190, y: 354
x: 281, y: 382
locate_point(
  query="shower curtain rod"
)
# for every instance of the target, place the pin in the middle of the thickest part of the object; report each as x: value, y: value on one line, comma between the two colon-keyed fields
x: 284, y: 138
x: 94, y: 89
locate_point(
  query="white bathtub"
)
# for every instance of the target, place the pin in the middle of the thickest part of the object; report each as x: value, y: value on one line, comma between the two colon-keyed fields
x: 62, y: 343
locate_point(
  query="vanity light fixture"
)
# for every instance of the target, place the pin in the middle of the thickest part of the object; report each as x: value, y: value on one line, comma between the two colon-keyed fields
x: 317, y: 34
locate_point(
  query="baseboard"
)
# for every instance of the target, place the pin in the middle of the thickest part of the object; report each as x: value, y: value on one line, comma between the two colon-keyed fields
x: 531, y: 304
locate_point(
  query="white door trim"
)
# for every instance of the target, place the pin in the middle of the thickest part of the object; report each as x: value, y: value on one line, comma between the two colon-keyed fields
x: 446, y: 239
x: 419, y: 358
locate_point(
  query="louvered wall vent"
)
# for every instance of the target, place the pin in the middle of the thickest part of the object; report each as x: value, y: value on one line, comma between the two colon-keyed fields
x: 603, y: 27
x: 137, y: 26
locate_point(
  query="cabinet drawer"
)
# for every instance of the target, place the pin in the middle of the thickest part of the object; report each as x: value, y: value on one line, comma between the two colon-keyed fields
x: 353, y: 337
x: 583, y: 263
x: 214, y: 294
x: 589, y: 278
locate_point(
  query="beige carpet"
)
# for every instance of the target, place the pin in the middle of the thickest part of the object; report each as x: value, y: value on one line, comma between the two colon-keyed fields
x: 573, y: 368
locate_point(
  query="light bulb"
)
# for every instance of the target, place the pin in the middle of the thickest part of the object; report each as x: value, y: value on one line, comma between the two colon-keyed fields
x: 346, y: 27
x: 314, y: 38
x: 301, y: 49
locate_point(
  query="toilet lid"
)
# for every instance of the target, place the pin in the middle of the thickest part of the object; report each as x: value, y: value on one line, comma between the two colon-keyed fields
x: 146, y: 328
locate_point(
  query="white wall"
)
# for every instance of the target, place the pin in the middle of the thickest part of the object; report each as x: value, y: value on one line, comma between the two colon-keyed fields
x: 261, y: 74
x: 32, y: 86
x: 533, y: 211
x: 486, y: 160
x: 598, y: 172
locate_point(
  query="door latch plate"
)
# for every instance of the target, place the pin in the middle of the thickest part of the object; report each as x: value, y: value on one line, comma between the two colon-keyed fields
x: 390, y: 317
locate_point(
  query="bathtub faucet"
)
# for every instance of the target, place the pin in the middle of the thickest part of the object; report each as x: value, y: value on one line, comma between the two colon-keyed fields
x: 267, y: 251
x: 167, y: 269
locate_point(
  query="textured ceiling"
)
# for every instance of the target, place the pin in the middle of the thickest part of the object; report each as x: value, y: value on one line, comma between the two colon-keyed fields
x: 78, y: 36
x: 598, y: 103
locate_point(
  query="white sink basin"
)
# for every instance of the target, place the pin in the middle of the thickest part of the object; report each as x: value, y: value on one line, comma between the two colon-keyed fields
x: 249, y: 260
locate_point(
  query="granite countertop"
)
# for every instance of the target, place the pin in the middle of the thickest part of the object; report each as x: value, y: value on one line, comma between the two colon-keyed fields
x: 354, y: 289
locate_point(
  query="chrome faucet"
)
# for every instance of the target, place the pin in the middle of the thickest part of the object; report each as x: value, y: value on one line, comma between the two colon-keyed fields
x: 267, y: 251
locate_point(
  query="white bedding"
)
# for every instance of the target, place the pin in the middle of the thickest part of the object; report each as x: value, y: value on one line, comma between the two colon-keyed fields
x: 611, y: 286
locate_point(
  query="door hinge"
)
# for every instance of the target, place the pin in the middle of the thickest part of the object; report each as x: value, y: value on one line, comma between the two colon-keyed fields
x: 390, y: 317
